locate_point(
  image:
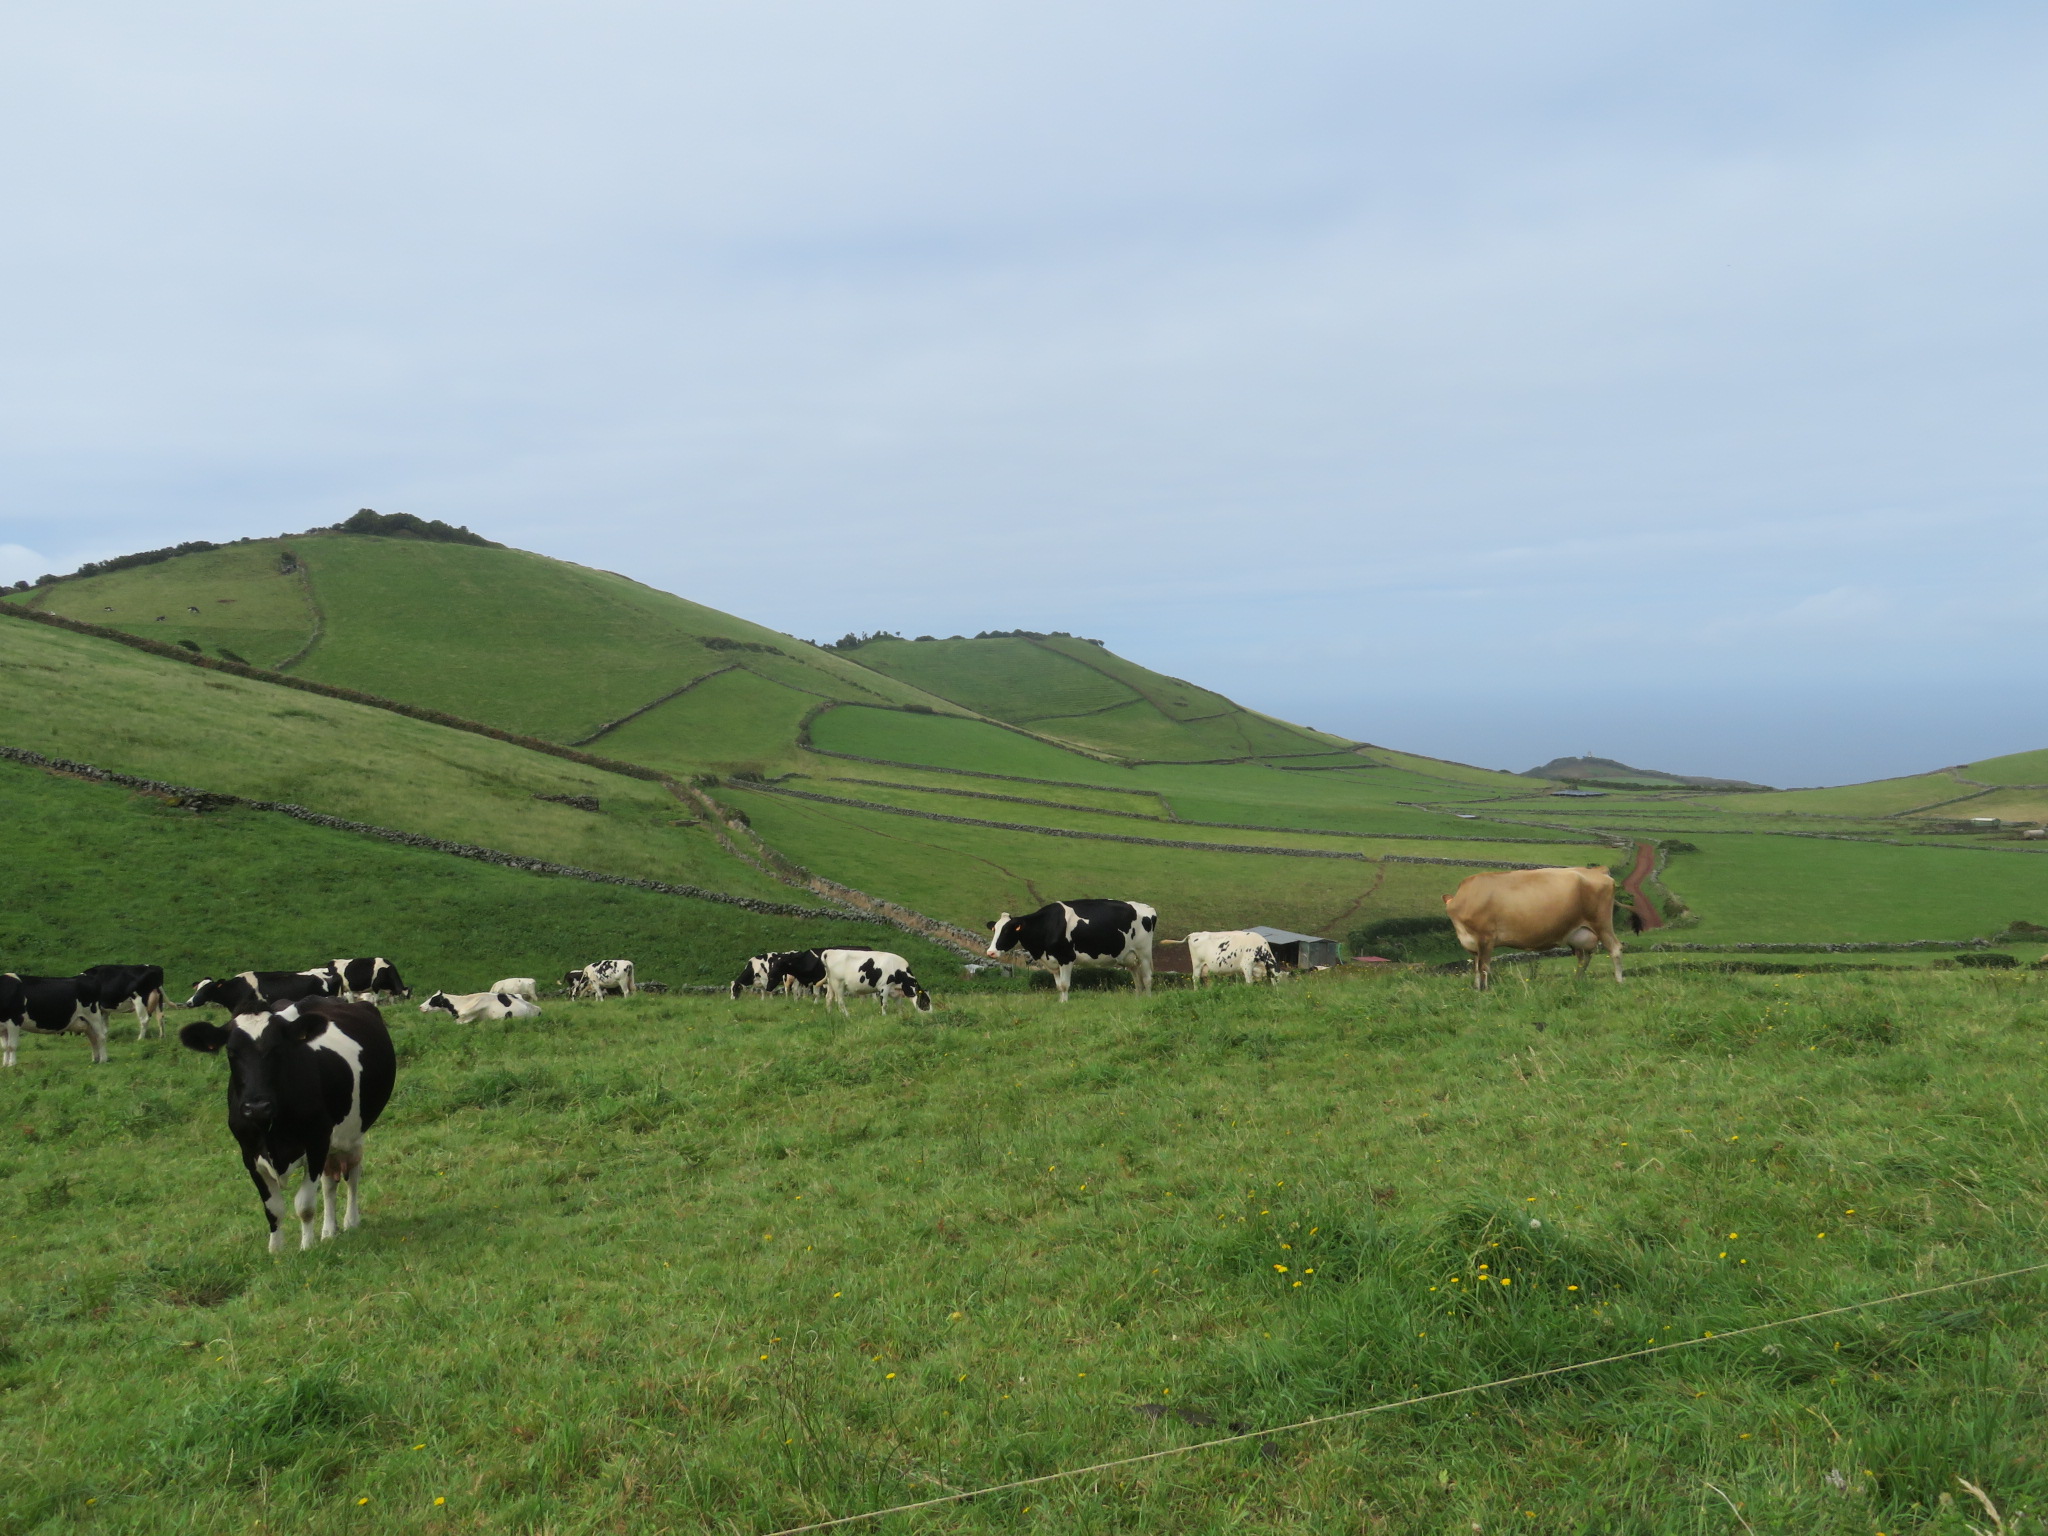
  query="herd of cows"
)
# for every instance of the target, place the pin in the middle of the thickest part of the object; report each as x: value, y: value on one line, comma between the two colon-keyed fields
x: 311, y: 1064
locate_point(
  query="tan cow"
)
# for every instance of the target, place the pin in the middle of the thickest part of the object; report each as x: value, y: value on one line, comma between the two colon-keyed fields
x: 1534, y: 909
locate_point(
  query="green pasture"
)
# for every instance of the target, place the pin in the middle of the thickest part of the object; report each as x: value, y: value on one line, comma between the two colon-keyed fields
x: 246, y: 604
x: 969, y: 874
x: 95, y: 702
x: 679, y: 1264
x: 124, y: 878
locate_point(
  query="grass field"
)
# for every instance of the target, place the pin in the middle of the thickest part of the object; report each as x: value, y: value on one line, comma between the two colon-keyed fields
x: 123, y: 878
x: 681, y: 1265
x: 84, y: 699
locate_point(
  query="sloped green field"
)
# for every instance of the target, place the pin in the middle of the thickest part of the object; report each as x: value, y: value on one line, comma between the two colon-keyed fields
x: 245, y: 604
x: 91, y: 701
x: 124, y: 878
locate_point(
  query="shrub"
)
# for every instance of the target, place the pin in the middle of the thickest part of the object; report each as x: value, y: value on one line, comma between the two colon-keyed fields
x: 1408, y: 938
x: 403, y: 525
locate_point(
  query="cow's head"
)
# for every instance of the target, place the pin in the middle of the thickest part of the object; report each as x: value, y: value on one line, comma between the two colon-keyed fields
x: 1002, y: 934
x: 575, y: 981
x: 205, y: 992
x: 256, y: 1044
x: 438, y: 1003
x: 903, y: 984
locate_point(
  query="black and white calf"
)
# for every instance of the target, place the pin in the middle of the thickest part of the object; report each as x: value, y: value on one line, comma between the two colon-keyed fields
x: 50, y: 1005
x: 1063, y: 934
x: 365, y: 981
x: 468, y: 1007
x: 1237, y: 949
x: 861, y: 972
x: 305, y: 1082
x: 248, y: 992
x: 605, y: 976
x: 139, y: 985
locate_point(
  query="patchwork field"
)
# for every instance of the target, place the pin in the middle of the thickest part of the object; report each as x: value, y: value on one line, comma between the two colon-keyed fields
x: 681, y: 1264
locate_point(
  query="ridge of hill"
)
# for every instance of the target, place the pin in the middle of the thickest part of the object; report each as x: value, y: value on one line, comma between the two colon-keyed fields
x: 1589, y: 767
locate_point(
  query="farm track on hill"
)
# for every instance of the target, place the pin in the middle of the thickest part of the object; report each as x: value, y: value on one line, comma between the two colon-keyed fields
x: 1645, y: 864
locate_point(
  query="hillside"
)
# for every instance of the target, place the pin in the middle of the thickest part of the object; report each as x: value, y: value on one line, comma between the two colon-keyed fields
x: 957, y: 777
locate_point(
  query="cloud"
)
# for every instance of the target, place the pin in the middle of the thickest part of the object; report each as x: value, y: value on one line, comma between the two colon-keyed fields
x: 18, y: 563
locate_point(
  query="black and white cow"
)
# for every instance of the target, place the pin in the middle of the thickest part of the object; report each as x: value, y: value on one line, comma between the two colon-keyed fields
x: 305, y: 1082
x: 518, y: 986
x: 864, y: 972
x: 365, y: 981
x: 139, y: 985
x: 247, y: 992
x: 796, y: 970
x: 605, y: 976
x: 468, y: 1007
x: 50, y: 1005
x: 1063, y: 934
x: 781, y: 970
x: 1237, y: 949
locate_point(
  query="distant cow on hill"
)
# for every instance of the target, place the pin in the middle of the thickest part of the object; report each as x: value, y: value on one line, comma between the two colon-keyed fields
x: 139, y: 985
x: 605, y: 976
x: 1090, y: 932
x: 1534, y: 909
x: 50, y: 1005
x: 243, y: 993
x: 365, y: 981
x: 305, y: 1083
x: 1218, y: 954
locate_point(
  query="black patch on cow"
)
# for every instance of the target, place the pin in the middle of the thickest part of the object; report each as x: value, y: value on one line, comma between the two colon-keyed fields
x: 1102, y: 930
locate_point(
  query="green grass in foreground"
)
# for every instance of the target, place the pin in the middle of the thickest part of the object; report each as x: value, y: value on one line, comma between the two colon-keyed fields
x: 679, y: 1264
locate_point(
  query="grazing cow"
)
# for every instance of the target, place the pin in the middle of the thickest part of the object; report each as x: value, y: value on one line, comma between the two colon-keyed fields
x: 1534, y: 909
x: 605, y: 976
x: 1248, y: 954
x: 518, y: 986
x: 247, y: 992
x: 859, y: 972
x: 1064, y: 934
x: 784, y: 970
x: 305, y: 1082
x: 50, y: 1005
x: 140, y: 985
x: 468, y: 1007
x: 365, y: 981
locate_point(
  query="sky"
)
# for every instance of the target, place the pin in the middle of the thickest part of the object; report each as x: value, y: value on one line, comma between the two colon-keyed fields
x: 1498, y: 382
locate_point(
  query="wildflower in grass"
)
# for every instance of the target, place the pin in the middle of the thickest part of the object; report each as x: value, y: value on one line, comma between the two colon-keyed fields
x: 1282, y: 1268
x: 440, y: 1500
x: 890, y: 1377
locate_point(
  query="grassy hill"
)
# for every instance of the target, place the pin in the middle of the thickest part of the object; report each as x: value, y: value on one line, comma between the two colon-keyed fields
x: 685, y: 1265
x: 127, y: 877
x: 959, y: 777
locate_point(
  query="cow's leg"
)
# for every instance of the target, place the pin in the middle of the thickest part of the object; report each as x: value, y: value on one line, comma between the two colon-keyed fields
x: 1065, y: 977
x: 835, y: 993
x: 270, y: 1190
x: 340, y: 1167
x: 1482, y: 967
x: 141, y: 1016
x: 1201, y: 974
x: 8, y: 1033
x: 1142, y: 974
x: 1613, y: 945
x: 96, y: 1032
x: 306, y: 1202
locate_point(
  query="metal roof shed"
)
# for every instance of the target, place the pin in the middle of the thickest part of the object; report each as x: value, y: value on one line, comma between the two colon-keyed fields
x: 1302, y: 950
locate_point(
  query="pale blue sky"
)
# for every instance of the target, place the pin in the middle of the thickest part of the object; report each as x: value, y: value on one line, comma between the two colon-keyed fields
x: 1482, y: 379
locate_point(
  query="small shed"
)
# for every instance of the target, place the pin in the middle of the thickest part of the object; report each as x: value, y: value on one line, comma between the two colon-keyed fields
x: 1302, y: 950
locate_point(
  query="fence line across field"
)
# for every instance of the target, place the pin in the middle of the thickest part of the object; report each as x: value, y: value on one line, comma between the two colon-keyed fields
x: 1406, y: 1402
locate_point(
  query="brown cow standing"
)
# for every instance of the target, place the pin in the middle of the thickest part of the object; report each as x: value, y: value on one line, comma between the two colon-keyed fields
x: 1534, y: 909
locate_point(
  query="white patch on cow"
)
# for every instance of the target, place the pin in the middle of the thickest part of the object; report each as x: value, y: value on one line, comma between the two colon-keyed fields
x: 304, y: 1203
x: 253, y: 1024
x: 348, y: 1133
x: 518, y: 986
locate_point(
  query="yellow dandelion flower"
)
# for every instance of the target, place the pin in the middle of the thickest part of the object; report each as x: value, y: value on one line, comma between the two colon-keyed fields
x: 890, y: 1377
x: 439, y: 1500
x: 1281, y: 1267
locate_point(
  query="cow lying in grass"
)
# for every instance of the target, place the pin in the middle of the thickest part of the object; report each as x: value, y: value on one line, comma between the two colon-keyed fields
x: 469, y: 1007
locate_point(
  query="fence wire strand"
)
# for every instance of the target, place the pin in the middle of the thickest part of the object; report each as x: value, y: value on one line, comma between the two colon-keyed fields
x: 1406, y: 1402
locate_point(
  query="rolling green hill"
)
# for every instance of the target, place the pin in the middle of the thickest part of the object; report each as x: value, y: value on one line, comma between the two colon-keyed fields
x: 955, y: 777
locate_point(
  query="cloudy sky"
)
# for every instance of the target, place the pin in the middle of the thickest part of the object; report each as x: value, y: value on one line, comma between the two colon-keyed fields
x: 1494, y: 381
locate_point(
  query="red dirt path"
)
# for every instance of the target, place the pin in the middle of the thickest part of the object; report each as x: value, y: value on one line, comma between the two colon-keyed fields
x: 1646, y: 861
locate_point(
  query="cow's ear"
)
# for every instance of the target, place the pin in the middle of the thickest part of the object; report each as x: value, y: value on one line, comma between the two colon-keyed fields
x: 303, y: 1025
x: 202, y: 1037
x: 992, y: 923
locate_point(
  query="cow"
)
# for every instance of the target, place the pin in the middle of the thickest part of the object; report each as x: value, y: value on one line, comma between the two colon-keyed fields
x: 140, y: 985
x: 1063, y: 934
x: 786, y: 971
x: 50, y: 1005
x: 605, y: 976
x: 1534, y: 909
x: 244, y: 993
x: 468, y: 1007
x: 859, y: 972
x: 1217, y: 954
x: 518, y: 986
x: 365, y: 981
x: 306, y: 1081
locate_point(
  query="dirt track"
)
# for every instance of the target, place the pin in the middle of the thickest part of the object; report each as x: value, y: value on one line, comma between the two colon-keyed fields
x: 1646, y: 863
